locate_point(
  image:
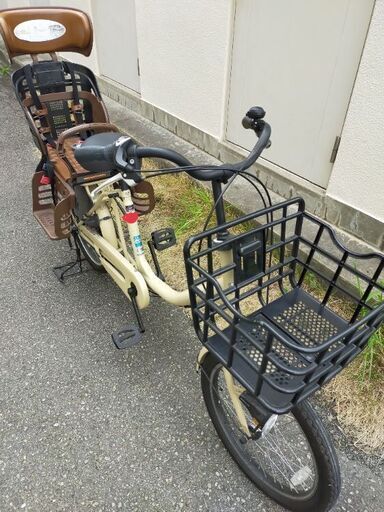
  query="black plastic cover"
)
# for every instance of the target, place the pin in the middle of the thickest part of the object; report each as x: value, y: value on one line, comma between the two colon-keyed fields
x: 97, y: 153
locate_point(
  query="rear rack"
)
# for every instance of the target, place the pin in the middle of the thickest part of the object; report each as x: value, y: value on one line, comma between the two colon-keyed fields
x: 281, y: 302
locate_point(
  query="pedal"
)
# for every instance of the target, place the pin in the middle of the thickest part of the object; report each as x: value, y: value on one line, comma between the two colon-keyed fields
x: 163, y: 238
x: 127, y: 336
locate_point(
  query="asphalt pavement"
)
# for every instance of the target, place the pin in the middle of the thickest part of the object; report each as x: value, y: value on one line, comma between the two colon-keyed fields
x: 83, y: 426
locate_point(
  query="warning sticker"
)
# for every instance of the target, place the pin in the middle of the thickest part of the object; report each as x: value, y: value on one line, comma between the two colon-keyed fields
x: 138, y: 244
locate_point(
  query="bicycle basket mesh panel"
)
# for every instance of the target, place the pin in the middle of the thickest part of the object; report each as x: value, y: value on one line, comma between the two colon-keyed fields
x: 305, y: 324
x: 281, y: 303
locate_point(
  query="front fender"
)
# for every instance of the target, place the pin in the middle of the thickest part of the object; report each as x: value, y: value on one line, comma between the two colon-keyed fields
x: 201, y: 356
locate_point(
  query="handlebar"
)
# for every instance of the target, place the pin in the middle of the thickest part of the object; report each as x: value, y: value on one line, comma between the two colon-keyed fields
x: 254, y: 120
x: 111, y: 151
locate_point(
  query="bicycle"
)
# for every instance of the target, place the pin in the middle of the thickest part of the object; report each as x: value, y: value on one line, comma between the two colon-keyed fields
x: 268, y: 343
x: 223, y: 394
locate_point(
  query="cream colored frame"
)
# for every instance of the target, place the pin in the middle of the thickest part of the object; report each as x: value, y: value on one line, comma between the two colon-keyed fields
x: 127, y: 269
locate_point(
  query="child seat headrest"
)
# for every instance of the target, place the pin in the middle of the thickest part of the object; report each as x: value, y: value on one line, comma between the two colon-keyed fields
x: 46, y: 30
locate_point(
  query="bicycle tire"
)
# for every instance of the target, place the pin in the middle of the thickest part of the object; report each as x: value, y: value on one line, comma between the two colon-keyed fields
x: 90, y: 254
x: 327, y: 484
x: 83, y: 204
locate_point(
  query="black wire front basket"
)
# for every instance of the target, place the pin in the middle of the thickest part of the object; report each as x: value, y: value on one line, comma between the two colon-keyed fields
x: 281, y: 302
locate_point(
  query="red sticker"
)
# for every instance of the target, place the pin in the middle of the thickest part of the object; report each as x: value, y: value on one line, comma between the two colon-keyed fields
x: 130, y: 217
x: 45, y: 180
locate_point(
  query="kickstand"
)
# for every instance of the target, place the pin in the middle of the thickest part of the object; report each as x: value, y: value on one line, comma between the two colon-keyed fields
x: 72, y: 268
x: 130, y: 335
x: 155, y: 260
x: 132, y: 294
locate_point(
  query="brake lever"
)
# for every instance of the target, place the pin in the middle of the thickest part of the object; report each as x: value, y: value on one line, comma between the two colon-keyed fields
x: 127, y: 161
x: 110, y: 181
x: 106, y: 183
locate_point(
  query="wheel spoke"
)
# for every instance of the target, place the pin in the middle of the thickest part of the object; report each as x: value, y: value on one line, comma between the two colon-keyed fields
x: 283, y: 454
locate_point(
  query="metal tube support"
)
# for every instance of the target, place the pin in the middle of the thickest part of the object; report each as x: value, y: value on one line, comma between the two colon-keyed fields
x: 219, y: 208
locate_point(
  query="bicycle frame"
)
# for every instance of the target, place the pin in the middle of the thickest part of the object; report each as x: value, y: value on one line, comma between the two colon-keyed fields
x: 127, y: 269
x: 124, y: 266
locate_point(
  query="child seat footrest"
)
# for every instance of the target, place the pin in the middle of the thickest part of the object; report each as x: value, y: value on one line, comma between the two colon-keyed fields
x: 55, y: 219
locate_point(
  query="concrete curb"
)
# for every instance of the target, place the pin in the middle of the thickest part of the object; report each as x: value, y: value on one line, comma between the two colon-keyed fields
x: 283, y: 183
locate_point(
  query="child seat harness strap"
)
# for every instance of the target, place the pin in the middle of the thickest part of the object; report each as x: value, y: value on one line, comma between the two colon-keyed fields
x: 54, y: 116
x: 77, y: 107
x: 41, y: 112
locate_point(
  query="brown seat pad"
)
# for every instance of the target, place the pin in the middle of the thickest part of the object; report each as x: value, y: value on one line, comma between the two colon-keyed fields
x: 61, y: 166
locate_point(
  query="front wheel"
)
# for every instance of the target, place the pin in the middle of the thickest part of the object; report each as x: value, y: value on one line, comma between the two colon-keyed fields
x: 294, y: 463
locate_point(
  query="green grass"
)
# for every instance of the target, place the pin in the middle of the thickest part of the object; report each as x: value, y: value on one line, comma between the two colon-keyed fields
x: 191, y: 209
x: 313, y: 283
x: 372, y: 359
x: 5, y: 70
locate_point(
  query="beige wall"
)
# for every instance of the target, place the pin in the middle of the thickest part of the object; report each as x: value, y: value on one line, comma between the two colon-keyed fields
x: 358, y: 174
x: 8, y: 4
x: 183, y: 51
x: 84, y: 5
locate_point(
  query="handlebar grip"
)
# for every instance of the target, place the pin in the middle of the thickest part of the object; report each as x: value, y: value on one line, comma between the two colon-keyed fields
x: 103, y: 152
x: 253, y: 119
x: 263, y: 131
x: 247, y: 123
x: 256, y: 113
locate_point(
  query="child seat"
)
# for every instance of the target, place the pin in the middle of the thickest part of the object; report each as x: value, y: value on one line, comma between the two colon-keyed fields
x: 61, y: 102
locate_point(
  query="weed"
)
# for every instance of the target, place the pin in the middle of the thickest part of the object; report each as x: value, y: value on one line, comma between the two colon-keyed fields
x: 191, y: 209
x: 372, y: 361
x: 313, y: 283
x: 5, y: 70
